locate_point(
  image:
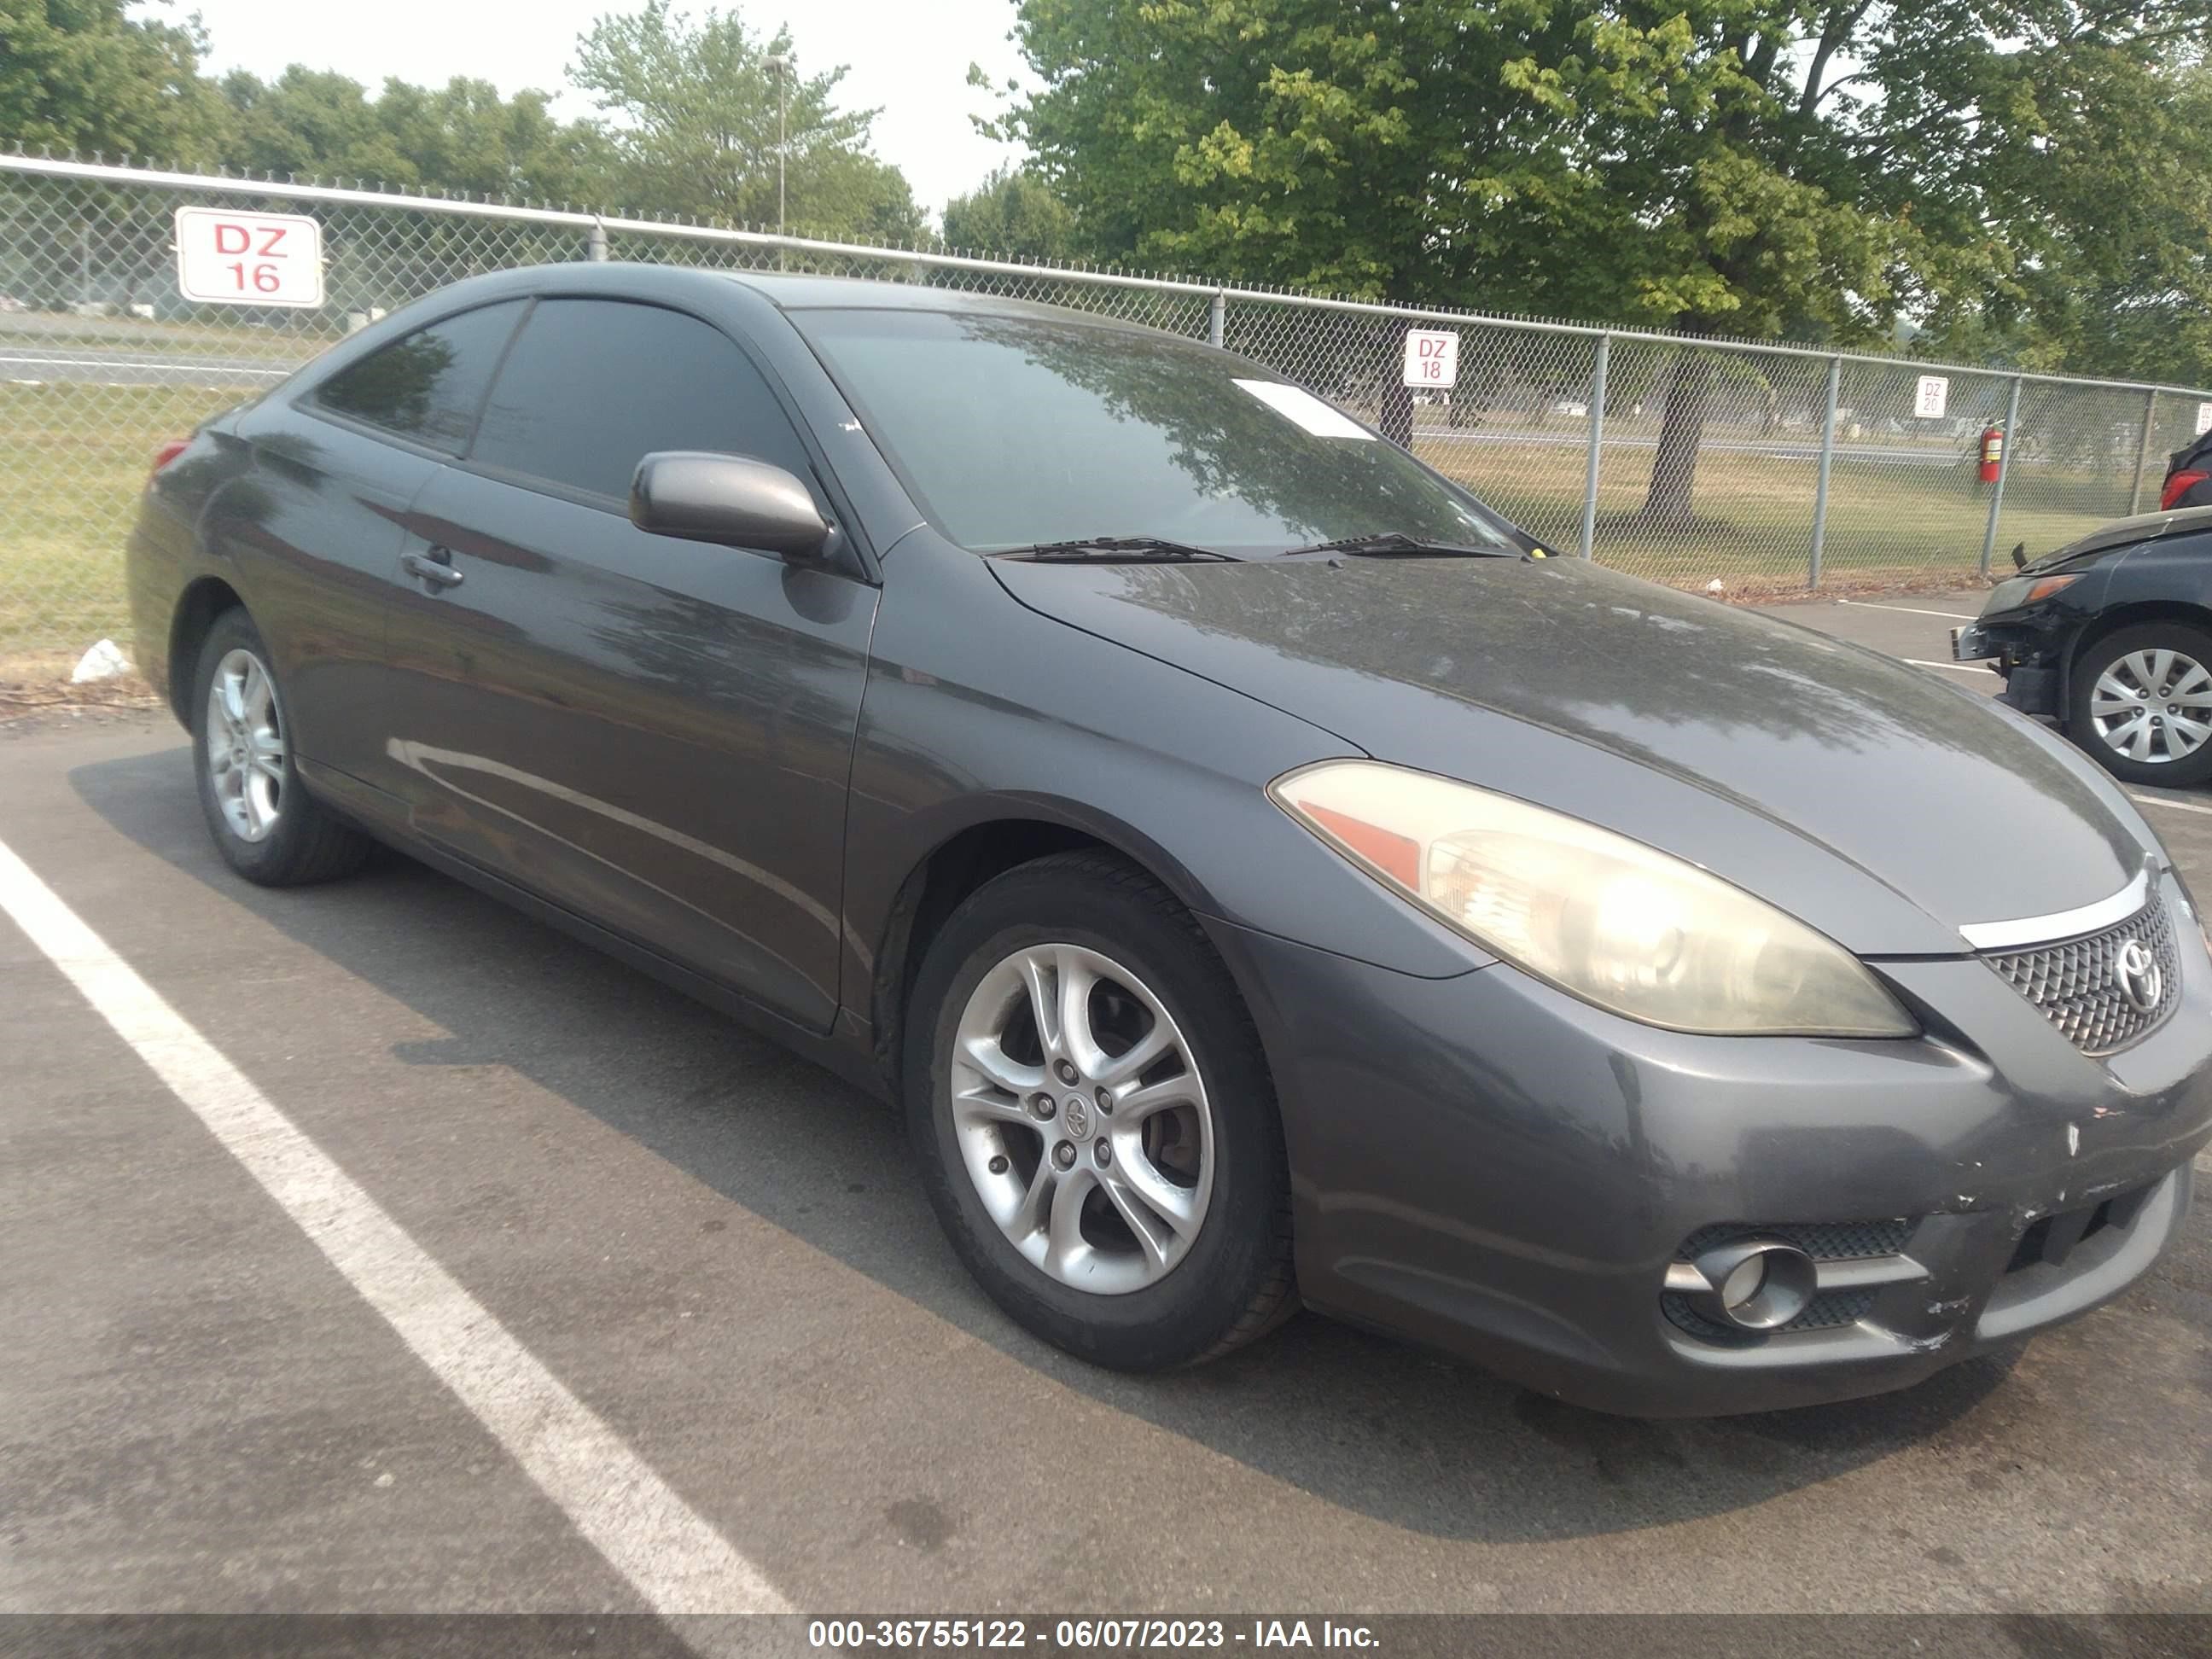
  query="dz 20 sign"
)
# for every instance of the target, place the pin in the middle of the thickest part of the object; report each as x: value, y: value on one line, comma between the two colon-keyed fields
x: 248, y: 259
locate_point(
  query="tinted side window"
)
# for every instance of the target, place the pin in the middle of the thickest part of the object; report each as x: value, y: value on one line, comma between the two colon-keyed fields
x: 429, y: 385
x: 594, y: 384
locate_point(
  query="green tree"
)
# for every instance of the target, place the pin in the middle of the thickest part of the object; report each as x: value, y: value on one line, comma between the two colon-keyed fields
x: 1778, y: 169
x: 82, y: 75
x: 694, y: 113
x: 1014, y: 214
x: 463, y: 136
x: 2113, y: 276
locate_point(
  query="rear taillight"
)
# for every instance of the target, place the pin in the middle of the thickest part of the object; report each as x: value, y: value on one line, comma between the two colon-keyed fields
x: 168, y: 452
x: 2177, y: 486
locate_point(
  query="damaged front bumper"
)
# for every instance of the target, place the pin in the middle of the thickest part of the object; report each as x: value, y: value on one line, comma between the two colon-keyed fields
x: 2028, y: 650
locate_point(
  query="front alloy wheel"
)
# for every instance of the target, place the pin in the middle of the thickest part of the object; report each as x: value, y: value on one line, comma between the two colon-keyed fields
x: 2141, y: 702
x: 1094, y: 1117
x: 1082, y: 1122
x: 2154, y: 706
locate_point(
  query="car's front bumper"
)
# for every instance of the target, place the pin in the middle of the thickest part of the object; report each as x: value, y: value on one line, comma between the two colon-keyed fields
x: 1486, y: 1164
x: 2028, y: 649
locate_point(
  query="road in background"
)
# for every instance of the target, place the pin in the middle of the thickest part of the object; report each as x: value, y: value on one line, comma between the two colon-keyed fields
x: 722, y: 1254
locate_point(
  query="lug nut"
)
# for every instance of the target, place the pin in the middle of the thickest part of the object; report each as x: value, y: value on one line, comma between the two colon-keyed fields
x: 1063, y: 1154
x: 999, y: 1163
x: 1105, y: 1153
x: 1106, y: 1101
x: 1041, y: 1105
x: 1066, y: 1071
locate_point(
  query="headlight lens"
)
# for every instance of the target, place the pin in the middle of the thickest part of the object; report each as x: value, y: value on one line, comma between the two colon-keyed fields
x: 1602, y: 917
x: 2017, y: 591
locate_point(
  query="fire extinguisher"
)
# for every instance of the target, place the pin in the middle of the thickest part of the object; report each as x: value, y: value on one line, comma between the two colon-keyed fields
x: 1992, y: 452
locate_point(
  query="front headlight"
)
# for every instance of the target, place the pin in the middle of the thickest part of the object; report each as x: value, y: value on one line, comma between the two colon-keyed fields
x: 1602, y: 917
x: 2014, y: 591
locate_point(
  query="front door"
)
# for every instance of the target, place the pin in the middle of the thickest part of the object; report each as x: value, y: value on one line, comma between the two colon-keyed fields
x: 655, y: 733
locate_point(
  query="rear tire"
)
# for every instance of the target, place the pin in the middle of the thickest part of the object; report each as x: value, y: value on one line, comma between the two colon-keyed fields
x: 2115, y: 709
x: 1163, y: 1238
x: 262, y: 821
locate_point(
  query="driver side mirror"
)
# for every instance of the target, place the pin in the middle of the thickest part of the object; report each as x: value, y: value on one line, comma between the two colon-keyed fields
x: 732, y: 500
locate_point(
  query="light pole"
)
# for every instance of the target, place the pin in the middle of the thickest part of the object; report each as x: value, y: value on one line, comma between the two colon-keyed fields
x: 778, y: 63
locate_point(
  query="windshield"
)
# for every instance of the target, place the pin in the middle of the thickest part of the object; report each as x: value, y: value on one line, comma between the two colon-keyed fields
x: 1015, y: 430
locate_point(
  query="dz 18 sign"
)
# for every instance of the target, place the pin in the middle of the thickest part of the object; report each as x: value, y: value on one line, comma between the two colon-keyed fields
x: 248, y: 259
x: 1432, y: 358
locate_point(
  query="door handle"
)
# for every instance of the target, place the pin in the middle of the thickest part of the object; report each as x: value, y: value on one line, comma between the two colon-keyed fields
x: 431, y: 568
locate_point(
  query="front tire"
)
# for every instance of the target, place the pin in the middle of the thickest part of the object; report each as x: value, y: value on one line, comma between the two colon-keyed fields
x: 2141, y: 703
x: 263, y: 822
x: 1088, y: 1101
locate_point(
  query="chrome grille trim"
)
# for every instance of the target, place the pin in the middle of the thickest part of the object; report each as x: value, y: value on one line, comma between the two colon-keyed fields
x: 1988, y: 936
x: 2073, y: 984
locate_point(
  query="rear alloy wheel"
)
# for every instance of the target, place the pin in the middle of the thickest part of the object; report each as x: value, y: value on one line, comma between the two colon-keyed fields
x: 265, y: 823
x: 2143, y: 703
x: 1094, y: 1119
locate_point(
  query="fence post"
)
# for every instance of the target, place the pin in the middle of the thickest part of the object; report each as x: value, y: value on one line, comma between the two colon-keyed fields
x: 1217, y: 312
x: 2142, y: 453
x: 595, y: 248
x: 2004, y: 471
x: 1596, y: 442
x: 1827, y: 461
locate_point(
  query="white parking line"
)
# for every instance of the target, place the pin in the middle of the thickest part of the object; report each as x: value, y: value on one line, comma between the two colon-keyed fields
x: 2171, y: 806
x: 674, y: 1559
x: 1955, y: 667
x: 1910, y: 610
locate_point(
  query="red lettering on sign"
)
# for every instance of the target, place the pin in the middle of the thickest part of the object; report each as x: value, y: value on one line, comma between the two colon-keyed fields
x: 270, y: 235
x: 231, y: 239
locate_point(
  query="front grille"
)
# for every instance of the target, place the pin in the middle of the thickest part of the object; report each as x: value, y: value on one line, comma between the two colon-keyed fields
x: 2077, y: 984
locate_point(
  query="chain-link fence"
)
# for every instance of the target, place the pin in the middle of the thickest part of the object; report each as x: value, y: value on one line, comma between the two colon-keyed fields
x: 1768, y: 469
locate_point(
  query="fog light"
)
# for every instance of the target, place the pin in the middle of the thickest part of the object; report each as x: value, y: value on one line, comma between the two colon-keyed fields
x: 1754, y: 1283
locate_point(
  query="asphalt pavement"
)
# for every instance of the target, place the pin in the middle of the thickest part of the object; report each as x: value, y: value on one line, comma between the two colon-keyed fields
x: 372, y: 1249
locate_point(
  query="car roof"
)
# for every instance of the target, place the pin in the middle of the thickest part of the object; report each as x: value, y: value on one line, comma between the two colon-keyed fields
x: 790, y: 292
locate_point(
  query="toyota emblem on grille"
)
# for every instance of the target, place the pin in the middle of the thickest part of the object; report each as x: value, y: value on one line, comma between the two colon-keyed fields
x: 2138, y: 975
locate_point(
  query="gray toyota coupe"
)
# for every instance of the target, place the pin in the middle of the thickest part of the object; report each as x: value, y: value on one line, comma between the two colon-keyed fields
x: 1261, y: 876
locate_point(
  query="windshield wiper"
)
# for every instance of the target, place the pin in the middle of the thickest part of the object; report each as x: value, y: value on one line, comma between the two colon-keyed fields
x: 1116, y: 549
x: 1390, y: 544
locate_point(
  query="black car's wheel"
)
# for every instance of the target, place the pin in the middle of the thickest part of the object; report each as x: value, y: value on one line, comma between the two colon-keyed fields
x: 266, y: 827
x: 1093, y: 1115
x: 2141, y: 702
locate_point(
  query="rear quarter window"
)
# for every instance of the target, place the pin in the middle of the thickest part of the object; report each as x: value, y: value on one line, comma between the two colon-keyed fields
x: 427, y: 386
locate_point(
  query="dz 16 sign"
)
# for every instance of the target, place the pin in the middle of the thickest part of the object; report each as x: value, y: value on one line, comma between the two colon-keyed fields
x: 248, y: 259
x: 1432, y: 358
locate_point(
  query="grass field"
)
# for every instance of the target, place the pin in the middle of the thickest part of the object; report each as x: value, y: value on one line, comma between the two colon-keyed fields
x: 73, y: 458
x: 74, y: 455
x: 1753, y: 528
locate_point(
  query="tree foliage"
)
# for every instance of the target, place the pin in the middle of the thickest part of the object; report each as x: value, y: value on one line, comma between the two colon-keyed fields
x: 1806, y: 169
x: 1013, y: 213
x: 696, y: 115
x: 82, y: 75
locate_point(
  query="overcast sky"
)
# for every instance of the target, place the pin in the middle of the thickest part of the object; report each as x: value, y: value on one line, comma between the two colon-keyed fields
x: 910, y: 57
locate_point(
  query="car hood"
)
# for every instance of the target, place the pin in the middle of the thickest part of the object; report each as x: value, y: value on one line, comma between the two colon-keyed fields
x: 1724, y: 736
x: 2124, y: 532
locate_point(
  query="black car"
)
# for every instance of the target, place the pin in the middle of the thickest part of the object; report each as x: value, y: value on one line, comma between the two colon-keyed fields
x: 2111, y: 636
x: 1263, y: 876
x: 2189, y: 476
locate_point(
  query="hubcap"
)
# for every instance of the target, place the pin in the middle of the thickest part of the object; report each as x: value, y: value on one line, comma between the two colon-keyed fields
x: 245, y: 741
x: 2153, y: 707
x: 1101, y: 1181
